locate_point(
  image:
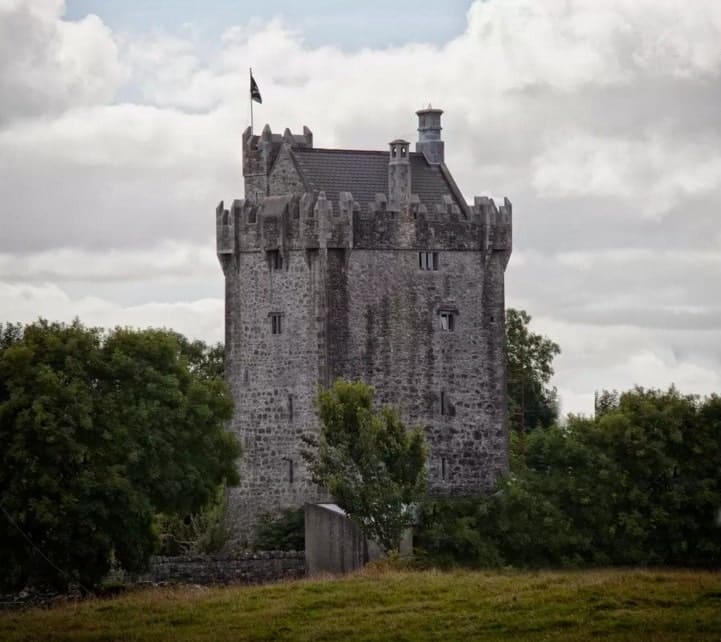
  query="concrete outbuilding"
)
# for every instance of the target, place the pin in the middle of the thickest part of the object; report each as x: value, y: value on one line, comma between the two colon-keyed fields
x: 335, y: 544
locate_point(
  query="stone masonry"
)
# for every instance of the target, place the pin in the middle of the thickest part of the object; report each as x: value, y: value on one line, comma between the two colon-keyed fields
x: 361, y: 265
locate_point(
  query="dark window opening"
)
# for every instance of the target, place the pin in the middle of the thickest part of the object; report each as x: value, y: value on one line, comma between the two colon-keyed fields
x: 428, y: 260
x: 447, y: 321
x: 275, y: 323
x: 444, y: 407
x: 290, y: 471
x: 443, y: 468
x: 275, y: 259
x: 290, y: 407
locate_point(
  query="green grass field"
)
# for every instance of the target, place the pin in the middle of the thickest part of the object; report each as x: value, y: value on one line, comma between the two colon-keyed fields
x: 377, y: 604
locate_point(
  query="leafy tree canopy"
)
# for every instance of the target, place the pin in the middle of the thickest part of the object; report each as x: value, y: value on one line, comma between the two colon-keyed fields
x: 98, y: 433
x: 372, y: 465
x: 529, y: 368
x: 638, y: 484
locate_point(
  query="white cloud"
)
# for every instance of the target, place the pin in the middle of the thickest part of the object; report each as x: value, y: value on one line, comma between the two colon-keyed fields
x: 655, y: 174
x: 168, y: 259
x: 594, y: 358
x: 201, y: 319
x: 598, y: 120
x: 48, y: 64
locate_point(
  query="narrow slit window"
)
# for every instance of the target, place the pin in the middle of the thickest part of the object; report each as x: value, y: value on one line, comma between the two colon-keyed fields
x: 276, y: 259
x: 290, y: 471
x: 443, y: 403
x: 290, y: 407
x: 447, y: 321
x: 443, y: 468
x: 276, y: 323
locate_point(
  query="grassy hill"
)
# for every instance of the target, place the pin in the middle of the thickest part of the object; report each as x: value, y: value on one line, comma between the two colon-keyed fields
x: 377, y: 604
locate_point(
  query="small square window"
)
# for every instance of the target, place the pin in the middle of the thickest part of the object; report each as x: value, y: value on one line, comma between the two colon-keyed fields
x: 447, y: 321
x: 428, y: 260
x: 276, y: 323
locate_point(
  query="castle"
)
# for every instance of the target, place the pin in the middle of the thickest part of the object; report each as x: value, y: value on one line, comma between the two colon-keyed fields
x: 364, y: 265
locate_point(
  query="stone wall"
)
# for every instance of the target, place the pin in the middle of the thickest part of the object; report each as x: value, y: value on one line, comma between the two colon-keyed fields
x: 244, y: 568
x: 448, y: 382
x: 273, y: 378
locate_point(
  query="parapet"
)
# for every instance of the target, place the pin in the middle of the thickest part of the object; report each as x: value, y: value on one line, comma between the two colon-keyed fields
x: 311, y: 220
x: 497, y: 223
x: 269, y: 142
x: 225, y: 235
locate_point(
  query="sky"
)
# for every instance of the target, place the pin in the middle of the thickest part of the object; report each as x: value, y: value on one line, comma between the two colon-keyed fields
x: 121, y: 123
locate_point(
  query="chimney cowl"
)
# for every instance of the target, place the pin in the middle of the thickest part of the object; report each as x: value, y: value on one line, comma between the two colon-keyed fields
x: 429, y: 135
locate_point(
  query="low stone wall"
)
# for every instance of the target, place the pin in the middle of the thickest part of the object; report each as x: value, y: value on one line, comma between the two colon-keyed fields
x: 242, y: 568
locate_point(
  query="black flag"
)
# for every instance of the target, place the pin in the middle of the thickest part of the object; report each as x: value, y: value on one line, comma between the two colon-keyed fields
x: 254, y: 91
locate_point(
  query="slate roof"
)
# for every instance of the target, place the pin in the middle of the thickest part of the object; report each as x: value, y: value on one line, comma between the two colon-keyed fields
x: 364, y: 173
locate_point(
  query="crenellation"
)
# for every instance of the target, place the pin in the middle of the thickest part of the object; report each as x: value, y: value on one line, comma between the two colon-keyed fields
x: 225, y: 236
x: 311, y: 220
x: 307, y: 137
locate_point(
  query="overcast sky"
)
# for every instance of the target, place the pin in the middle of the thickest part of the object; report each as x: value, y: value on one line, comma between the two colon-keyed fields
x: 120, y: 128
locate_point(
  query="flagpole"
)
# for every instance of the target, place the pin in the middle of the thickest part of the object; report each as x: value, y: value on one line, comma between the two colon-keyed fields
x: 250, y: 93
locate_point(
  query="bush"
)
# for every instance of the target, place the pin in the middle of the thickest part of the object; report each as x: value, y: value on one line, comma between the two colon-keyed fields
x: 281, y: 532
x: 203, y: 532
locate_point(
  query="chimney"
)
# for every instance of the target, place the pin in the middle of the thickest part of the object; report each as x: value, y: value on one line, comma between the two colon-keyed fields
x: 399, y: 173
x: 429, y: 135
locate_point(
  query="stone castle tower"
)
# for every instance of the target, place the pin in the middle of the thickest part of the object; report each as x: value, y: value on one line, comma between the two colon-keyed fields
x: 364, y: 265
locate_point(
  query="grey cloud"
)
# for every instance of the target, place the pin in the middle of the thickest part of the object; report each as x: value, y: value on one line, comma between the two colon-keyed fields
x: 47, y: 65
x: 622, y: 133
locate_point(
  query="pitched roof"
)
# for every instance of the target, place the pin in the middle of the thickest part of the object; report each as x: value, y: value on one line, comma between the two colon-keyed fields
x: 364, y: 173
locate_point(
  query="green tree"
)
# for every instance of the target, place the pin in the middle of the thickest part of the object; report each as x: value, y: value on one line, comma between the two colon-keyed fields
x: 638, y: 484
x: 205, y: 361
x: 372, y: 465
x: 99, y: 432
x: 10, y: 333
x: 529, y: 368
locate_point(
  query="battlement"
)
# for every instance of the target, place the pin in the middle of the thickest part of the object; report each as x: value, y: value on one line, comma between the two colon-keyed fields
x: 298, y: 196
x: 260, y: 152
x: 255, y: 142
x: 497, y: 223
x: 311, y: 220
